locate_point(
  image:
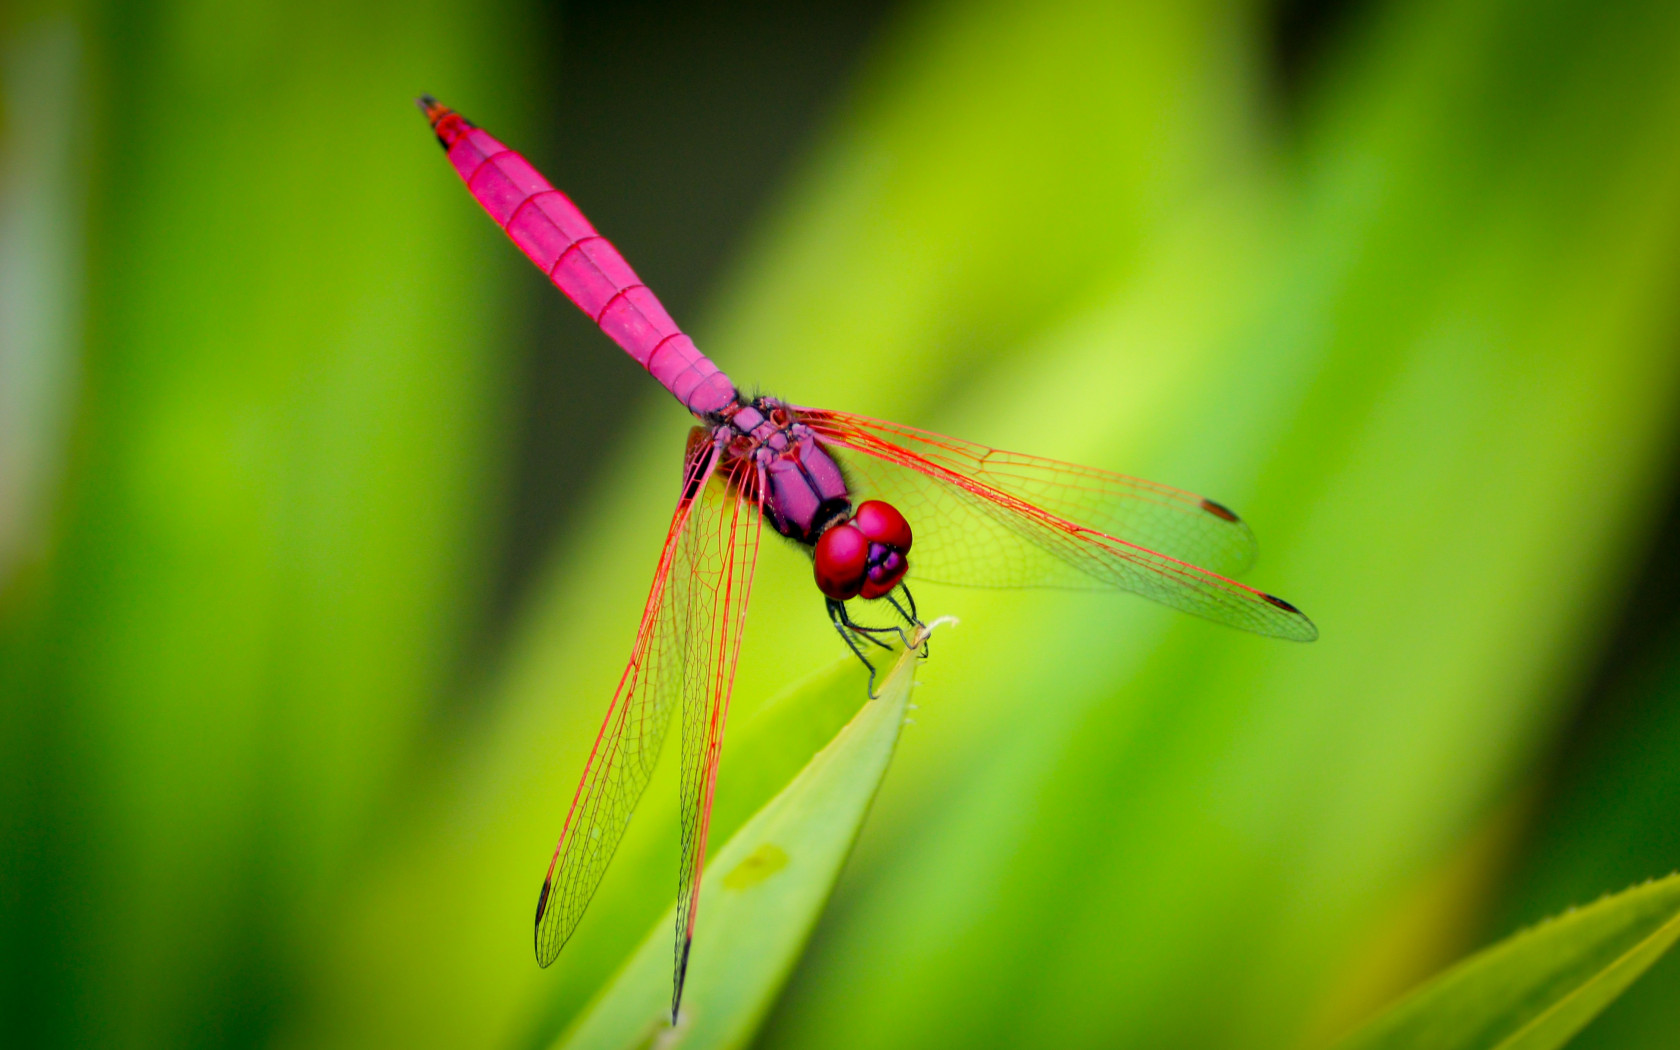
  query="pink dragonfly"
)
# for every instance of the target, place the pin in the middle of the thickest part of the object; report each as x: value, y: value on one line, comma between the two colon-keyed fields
x: 984, y: 518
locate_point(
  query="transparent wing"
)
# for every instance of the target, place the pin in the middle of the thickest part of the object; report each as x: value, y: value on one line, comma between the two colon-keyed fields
x: 627, y: 747
x: 721, y: 546
x: 1166, y: 520
x: 988, y: 518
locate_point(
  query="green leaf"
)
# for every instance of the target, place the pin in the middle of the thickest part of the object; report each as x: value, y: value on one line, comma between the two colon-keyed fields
x: 761, y: 754
x: 1612, y: 816
x: 760, y: 896
x: 1534, y: 991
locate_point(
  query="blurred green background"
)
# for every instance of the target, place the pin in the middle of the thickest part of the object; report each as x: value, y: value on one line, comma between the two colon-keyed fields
x: 325, y: 522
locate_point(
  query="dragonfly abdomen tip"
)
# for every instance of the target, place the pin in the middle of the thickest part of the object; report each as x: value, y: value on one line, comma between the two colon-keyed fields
x: 447, y: 124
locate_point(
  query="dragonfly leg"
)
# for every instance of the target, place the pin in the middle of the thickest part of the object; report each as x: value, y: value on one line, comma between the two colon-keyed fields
x: 867, y: 632
x: 837, y: 611
x: 910, y: 617
x: 850, y: 631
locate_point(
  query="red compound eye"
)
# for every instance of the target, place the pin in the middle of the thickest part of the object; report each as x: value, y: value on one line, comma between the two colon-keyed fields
x: 842, y: 562
x: 882, y: 523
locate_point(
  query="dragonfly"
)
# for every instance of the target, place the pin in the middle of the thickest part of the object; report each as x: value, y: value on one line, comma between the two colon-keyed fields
x: 844, y: 487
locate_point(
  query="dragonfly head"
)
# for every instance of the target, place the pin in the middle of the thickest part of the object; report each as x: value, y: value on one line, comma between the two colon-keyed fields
x: 866, y: 556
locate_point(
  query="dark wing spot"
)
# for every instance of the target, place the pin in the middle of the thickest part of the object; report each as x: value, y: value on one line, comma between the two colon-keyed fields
x: 1280, y: 603
x: 1219, y: 510
x: 682, y: 977
x: 542, y: 901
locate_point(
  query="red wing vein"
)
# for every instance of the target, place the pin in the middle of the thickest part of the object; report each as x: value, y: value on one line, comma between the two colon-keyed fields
x: 1169, y: 521
x: 625, y: 752
x: 977, y: 526
x: 724, y: 535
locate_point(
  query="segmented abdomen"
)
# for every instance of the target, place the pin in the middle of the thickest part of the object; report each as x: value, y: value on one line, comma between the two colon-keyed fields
x: 548, y: 227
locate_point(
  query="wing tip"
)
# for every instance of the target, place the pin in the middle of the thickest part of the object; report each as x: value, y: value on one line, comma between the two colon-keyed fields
x: 546, y: 949
x: 1220, y: 511
x: 542, y: 896
x: 681, y: 977
x: 1302, y: 628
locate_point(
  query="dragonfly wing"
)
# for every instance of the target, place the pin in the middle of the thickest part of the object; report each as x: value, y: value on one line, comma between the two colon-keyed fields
x: 1169, y: 521
x: 627, y: 748
x: 984, y: 517
x: 721, y: 547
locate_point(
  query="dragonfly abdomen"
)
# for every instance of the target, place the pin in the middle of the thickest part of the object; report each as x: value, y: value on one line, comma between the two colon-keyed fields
x: 555, y: 235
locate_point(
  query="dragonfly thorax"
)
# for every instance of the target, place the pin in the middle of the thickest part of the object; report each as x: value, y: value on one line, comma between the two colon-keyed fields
x: 858, y: 553
x: 804, y: 492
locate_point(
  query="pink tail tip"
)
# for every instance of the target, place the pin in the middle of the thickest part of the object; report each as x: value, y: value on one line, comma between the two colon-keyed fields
x: 446, y: 123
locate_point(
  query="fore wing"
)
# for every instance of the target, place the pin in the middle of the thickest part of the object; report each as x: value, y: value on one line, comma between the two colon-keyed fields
x: 1166, y: 520
x: 627, y: 748
x: 984, y: 517
x: 721, y: 546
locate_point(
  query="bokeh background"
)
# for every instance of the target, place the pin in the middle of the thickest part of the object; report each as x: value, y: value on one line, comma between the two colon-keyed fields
x: 324, y: 521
